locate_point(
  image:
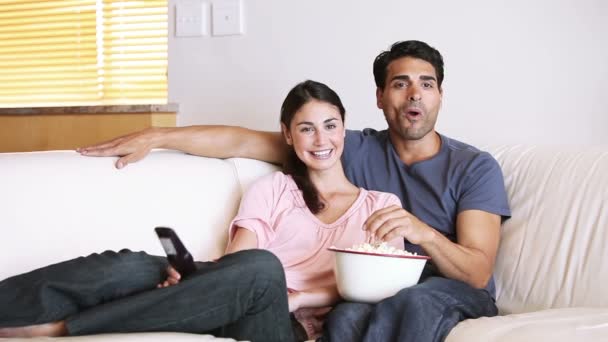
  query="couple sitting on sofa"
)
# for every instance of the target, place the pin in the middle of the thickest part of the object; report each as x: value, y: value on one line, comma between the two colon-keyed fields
x: 453, y: 200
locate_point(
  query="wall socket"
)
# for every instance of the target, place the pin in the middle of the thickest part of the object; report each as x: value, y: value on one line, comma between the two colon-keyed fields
x: 227, y: 17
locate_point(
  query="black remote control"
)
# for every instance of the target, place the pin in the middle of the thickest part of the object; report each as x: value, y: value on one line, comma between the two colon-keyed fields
x: 177, y: 254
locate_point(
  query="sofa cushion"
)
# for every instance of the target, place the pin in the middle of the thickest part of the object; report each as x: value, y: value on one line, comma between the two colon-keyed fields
x: 555, y: 325
x: 248, y: 170
x: 148, y: 337
x: 552, y: 250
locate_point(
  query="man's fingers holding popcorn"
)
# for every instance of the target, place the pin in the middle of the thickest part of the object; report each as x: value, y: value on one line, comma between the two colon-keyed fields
x: 394, y: 221
x: 384, y: 220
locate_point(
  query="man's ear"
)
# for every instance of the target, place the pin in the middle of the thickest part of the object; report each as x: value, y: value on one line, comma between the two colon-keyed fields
x: 286, y: 134
x: 379, y: 102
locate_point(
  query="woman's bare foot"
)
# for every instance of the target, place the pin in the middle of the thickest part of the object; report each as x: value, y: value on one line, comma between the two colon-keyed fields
x: 53, y: 329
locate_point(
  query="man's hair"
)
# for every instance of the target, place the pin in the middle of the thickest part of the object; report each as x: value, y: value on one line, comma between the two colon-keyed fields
x: 408, y: 48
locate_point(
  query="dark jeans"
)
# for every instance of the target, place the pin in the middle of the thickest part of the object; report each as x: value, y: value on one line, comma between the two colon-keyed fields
x: 426, y: 312
x: 242, y: 295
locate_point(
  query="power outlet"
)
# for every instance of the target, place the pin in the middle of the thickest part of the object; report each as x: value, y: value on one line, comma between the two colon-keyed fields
x: 227, y: 17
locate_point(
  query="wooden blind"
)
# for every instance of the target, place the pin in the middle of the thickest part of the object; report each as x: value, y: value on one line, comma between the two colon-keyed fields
x: 82, y: 52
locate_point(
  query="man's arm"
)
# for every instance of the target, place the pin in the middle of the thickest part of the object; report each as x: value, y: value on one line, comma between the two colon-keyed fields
x: 470, y: 260
x: 207, y: 141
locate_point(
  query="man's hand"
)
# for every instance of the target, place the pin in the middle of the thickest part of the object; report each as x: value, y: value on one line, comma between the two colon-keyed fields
x: 131, y: 147
x: 470, y: 259
x: 173, y: 278
x: 392, y: 222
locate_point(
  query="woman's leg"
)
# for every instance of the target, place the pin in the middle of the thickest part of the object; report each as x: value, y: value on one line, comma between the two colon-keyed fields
x: 242, y: 296
x: 55, y: 292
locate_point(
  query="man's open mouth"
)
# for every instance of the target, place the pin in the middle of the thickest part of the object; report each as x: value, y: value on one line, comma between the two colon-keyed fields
x: 413, y: 113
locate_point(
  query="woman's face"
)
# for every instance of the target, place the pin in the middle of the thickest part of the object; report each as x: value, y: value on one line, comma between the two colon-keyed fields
x: 316, y: 133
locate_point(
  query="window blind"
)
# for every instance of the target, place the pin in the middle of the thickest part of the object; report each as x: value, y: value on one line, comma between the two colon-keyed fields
x: 82, y: 52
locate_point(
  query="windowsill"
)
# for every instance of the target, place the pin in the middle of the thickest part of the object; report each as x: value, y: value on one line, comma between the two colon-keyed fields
x: 132, y: 109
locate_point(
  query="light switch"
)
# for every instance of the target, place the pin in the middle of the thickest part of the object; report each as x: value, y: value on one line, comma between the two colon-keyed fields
x: 190, y: 19
x: 227, y: 17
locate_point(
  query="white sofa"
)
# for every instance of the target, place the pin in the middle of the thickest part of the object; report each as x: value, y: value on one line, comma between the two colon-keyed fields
x: 551, y: 271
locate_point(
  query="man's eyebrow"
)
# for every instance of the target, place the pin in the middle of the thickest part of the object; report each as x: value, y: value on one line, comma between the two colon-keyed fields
x: 401, y: 77
x: 407, y: 78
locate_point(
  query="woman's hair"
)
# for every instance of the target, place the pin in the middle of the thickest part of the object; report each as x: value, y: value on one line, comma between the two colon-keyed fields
x: 297, y: 97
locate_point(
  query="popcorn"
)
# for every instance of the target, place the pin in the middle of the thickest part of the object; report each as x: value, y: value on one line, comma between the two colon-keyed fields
x: 382, y: 248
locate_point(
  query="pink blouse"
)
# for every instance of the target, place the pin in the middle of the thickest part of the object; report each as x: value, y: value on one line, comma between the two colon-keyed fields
x: 274, y: 209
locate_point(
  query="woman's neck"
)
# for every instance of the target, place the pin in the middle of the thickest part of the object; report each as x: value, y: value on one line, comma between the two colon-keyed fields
x: 331, y: 181
x: 335, y: 191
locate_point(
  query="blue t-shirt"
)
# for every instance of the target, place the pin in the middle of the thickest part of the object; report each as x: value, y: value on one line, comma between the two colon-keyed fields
x: 459, y: 177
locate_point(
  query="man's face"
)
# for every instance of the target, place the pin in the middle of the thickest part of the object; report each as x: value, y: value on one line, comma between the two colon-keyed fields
x: 411, y: 98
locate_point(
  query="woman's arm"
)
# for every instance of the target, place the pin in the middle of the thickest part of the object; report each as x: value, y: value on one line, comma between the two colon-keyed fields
x: 243, y: 239
x: 315, y: 298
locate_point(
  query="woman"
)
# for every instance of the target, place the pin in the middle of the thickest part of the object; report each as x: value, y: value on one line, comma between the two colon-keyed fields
x: 295, y: 215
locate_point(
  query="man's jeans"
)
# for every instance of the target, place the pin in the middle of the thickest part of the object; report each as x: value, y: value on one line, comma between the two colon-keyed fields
x: 242, y: 295
x: 426, y: 312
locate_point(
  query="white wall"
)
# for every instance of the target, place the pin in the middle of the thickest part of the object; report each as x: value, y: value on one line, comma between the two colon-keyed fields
x: 516, y: 71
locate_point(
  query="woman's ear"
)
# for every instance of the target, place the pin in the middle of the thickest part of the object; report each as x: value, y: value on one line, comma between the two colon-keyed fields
x: 286, y: 134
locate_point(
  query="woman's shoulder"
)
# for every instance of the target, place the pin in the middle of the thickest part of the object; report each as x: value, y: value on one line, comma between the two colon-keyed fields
x: 382, y: 199
x: 274, y: 180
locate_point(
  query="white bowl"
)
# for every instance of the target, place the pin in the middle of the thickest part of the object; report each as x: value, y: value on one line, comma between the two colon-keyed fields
x: 370, y: 277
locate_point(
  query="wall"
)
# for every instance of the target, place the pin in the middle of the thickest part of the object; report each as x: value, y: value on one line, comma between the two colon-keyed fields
x: 516, y: 71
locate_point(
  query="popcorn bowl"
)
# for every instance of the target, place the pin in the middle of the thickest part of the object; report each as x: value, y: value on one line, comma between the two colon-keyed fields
x: 370, y: 277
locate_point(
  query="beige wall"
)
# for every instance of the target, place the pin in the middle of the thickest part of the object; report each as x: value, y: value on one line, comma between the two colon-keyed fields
x: 516, y: 70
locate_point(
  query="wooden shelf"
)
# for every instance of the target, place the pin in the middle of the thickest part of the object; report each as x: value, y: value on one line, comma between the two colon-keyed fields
x: 70, y: 127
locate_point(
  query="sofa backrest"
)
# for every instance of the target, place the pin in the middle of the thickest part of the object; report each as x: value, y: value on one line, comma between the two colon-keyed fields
x: 58, y: 205
x: 552, y: 251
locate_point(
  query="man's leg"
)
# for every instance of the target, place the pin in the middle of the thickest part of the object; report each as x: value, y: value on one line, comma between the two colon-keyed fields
x: 347, y: 322
x: 427, y: 312
x: 244, y: 294
x: 57, y: 291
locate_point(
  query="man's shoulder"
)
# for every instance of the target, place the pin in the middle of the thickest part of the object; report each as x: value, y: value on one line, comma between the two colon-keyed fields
x: 464, y: 152
x: 370, y: 133
x: 366, y: 138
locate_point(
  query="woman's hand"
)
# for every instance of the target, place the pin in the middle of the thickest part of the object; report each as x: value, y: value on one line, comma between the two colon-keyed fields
x: 314, y: 298
x: 293, y: 297
x: 173, y: 278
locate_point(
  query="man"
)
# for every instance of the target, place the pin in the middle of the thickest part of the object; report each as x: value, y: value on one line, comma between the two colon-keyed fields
x: 453, y: 197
